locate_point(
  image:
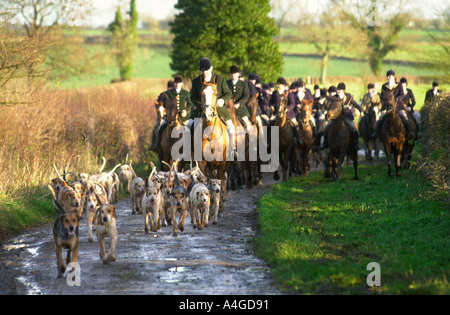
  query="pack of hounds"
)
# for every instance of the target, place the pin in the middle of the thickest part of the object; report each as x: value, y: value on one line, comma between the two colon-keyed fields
x: 159, y: 197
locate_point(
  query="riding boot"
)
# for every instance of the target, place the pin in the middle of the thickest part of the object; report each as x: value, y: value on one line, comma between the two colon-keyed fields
x: 232, y: 152
x: 325, y: 137
x: 155, y: 139
x: 154, y: 146
x: 411, y: 133
x: 378, y: 127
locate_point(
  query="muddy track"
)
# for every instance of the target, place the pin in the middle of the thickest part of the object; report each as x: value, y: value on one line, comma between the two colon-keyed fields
x: 217, y: 260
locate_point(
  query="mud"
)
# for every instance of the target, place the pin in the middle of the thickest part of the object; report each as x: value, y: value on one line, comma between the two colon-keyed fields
x: 217, y: 260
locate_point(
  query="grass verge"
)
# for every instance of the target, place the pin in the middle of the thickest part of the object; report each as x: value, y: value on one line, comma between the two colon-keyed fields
x: 319, y: 236
x: 19, y: 213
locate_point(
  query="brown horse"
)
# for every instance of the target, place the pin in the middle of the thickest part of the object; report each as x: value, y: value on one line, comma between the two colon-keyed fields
x: 340, y: 143
x: 285, y: 139
x: 303, y: 151
x: 254, y: 132
x: 173, y: 121
x: 238, y: 171
x: 393, y: 135
x: 215, y: 139
x: 409, y: 144
x: 366, y: 126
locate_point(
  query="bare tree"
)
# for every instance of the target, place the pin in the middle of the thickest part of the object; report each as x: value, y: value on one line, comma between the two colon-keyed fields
x: 326, y: 29
x: 379, y: 22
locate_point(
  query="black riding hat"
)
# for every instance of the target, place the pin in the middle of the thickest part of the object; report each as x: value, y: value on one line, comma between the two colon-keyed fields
x: 204, y: 64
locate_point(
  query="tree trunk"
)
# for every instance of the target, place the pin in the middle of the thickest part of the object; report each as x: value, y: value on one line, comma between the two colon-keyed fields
x: 323, y: 75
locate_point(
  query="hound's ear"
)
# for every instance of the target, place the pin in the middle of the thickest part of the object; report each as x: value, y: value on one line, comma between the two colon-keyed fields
x: 98, y: 200
x: 113, y: 211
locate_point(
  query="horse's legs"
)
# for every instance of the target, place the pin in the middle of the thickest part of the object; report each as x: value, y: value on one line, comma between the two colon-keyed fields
x: 339, y: 165
x: 285, y: 167
x: 397, y: 157
x: 387, y: 150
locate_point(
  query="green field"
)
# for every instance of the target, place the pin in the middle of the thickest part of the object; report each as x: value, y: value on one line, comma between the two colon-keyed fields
x: 319, y: 236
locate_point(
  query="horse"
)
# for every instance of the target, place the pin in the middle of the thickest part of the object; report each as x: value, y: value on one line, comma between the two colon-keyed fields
x: 340, y: 143
x: 238, y: 171
x: 366, y: 126
x: 285, y: 140
x: 253, y: 167
x: 215, y: 139
x: 393, y: 135
x: 409, y: 144
x: 302, y: 152
x: 173, y: 121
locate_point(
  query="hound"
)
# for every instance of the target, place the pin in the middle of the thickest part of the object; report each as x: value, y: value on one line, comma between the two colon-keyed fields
x: 105, y: 226
x: 166, y: 189
x: 92, y: 205
x: 152, y: 203
x: 137, y: 192
x: 65, y: 234
x: 215, y: 188
x: 125, y: 176
x: 178, y: 203
x: 107, y: 180
x: 199, y: 200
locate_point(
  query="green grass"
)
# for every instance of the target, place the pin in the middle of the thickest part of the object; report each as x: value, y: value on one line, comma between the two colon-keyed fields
x: 319, y: 235
x: 19, y: 213
x: 149, y: 63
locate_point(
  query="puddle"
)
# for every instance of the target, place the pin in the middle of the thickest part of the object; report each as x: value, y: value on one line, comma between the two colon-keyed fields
x: 175, y: 275
x: 32, y: 289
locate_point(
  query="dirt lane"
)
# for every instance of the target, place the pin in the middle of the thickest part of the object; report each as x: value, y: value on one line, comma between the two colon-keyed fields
x: 216, y: 260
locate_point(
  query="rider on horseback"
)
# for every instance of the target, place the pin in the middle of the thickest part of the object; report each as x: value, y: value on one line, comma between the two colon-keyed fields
x: 283, y: 92
x: 400, y: 93
x: 349, y: 119
x: 174, y: 91
x: 223, y: 96
x: 240, y: 92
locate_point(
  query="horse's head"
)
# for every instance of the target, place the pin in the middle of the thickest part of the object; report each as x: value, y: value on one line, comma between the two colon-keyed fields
x: 282, y: 102
x: 389, y: 102
x: 374, y: 115
x: 306, y: 110
x: 209, y: 98
x: 335, y: 108
x: 252, y: 106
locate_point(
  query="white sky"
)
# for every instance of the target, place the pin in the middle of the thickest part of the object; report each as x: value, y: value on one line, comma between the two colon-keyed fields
x: 104, y: 10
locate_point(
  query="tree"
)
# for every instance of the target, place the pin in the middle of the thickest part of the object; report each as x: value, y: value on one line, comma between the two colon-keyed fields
x: 366, y: 17
x: 228, y: 32
x: 125, y: 39
x: 33, y: 45
x: 327, y: 31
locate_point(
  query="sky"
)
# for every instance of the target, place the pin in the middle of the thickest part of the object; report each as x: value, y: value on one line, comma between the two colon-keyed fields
x: 104, y: 10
